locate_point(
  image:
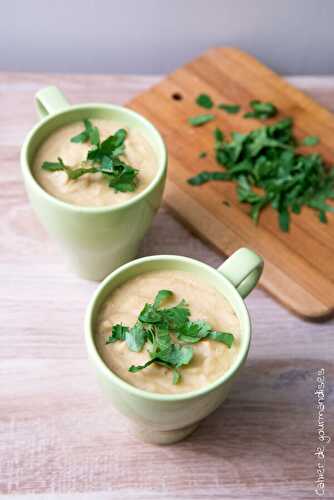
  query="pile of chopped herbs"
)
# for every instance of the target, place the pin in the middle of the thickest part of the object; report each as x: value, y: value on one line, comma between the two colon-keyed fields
x: 103, y: 157
x: 268, y: 170
x: 155, y: 326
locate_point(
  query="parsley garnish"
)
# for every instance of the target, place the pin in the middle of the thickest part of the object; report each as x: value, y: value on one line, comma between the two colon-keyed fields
x: 154, y: 326
x: 205, y: 101
x: 311, y: 140
x: 232, y: 109
x: 199, y: 120
x: 203, y: 154
x: 268, y: 170
x: 90, y: 133
x: 103, y: 157
x: 261, y: 110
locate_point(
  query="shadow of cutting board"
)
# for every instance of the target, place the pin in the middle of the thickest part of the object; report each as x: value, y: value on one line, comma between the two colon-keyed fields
x: 299, y: 266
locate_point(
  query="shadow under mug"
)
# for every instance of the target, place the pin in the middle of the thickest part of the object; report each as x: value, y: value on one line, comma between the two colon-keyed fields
x: 168, y: 418
x: 96, y: 240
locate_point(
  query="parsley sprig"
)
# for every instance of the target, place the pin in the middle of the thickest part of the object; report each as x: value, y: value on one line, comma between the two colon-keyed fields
x: 155, y: 325
x: 104, y: 157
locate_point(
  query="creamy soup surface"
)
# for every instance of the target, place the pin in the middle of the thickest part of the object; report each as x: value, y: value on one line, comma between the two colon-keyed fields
x: 210, y: 360
x: 92, y: 190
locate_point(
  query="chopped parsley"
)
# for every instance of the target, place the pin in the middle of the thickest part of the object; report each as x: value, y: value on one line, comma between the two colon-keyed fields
x: 199, y: 120
x: 261, y: 110
x: 310, y: 140
x: 268, y: 171
x: 205, y: 101
x: 104, y: 158
x: 232, y: 109
x: 154, y: 327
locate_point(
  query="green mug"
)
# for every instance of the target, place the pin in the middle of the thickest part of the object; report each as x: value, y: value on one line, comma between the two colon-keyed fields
x: 99, y: 239
x: 161, y: 418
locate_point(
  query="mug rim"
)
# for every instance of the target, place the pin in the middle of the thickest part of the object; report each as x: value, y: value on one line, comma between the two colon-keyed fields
x: 238, y: 302
x: 162, y: 162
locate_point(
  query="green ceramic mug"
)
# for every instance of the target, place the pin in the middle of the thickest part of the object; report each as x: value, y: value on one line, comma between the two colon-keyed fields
x: 161, y: 418
x: 96, y: 240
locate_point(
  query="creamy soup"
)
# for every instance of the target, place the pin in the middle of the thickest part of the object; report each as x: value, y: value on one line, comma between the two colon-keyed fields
x: 92, y: 190
x: 210, y: 359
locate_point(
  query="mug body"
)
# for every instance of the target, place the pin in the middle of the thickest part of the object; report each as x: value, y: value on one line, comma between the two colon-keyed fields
x: 96, y: 240
x: 161, y: 418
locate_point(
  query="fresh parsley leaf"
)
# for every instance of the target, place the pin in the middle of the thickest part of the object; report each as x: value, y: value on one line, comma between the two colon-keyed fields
x: 75, y: 173
x: 204, y: 101
x: 194, y: 331
x: 219, y: 137
x: 82, y: 137
x: 135, y: 338
x: 123, y: 179
x: 261, y: 110
x: 161, y: 296
x: 137, y: 368
x: 232, y: 109
x: 118, y: 333
x: 177, y: 355
x: 110, y: 147
x: 204, y: 177
x: 199, y: 120
x: 149, y: 314
x: 224, y: 337
x: 90, y: 133
x: 162, y: 340
x: 311, y: 140
x: 53, y: 166
x: 175, y: 317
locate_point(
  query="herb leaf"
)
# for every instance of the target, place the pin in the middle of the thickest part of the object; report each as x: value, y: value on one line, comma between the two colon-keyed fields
x: 161, y: 296
x: 135, y: 337
x: 261, y: 110
x: 194, y: 331
x: 205, y: 101
x: 118, y: 333
x: 137, y: 368
x: 224, y: 337
x: 199, y: 120
x: 53, y: 166
x: 311, y: 140
x: 90, y: 133
x: 175, y: 317
x: 232, y: 109
x: 204, y: 177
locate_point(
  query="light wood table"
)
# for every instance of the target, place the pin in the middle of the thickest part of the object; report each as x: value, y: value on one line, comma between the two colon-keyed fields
x: 58, y: 436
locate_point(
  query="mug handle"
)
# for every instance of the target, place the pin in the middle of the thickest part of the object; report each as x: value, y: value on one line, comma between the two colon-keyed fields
x: 243, y: 269
x: 50, y: 100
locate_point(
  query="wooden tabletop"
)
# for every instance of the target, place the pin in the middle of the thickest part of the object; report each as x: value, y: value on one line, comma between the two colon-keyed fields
x: 58, y: 436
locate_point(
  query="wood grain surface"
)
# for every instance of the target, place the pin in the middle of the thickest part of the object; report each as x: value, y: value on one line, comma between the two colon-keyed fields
x: 59, y: 439
x: 299, y: 269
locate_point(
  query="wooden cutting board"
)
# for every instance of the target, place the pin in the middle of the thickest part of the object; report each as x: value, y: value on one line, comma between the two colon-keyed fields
x: 299, y: 266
